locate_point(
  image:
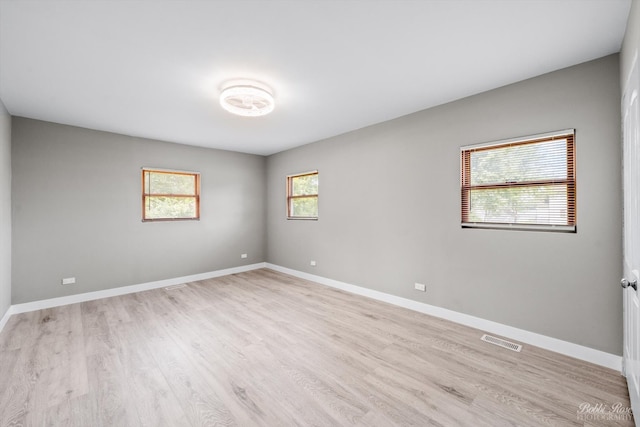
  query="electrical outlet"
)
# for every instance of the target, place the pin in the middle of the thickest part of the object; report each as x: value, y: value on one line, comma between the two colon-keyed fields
x: 243, y: 256
x: 312, y: 263
x: 420, y: 287
x: 68, y: 280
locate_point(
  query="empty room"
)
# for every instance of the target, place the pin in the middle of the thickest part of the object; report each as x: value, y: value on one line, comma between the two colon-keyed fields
x: 319, y: 213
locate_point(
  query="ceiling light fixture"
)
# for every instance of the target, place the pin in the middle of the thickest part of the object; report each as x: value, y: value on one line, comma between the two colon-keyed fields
x: 247, y: 100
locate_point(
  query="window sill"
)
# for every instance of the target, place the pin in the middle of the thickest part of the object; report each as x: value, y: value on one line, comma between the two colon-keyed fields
x: 522, y: 227
x: 170, y: 219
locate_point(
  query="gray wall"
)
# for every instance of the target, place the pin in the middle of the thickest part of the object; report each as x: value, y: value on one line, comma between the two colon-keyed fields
x: 631, y: 43
x: 5, y: 210
x: 77, y: 211
x: 389, y: 210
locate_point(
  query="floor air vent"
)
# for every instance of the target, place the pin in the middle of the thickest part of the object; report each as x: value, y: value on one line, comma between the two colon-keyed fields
x: 501, y: 343
x: 171, y: 288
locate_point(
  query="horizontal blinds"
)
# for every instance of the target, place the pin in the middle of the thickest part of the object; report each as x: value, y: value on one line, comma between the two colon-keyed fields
x: 525, y: 182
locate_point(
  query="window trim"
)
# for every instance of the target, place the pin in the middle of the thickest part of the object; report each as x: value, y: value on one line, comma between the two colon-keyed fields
x: 195, y: 196
x: 291, y: 197
x: 570, y: 181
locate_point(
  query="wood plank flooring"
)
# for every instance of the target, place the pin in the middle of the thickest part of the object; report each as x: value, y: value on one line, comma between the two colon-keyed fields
x: 266, y: 349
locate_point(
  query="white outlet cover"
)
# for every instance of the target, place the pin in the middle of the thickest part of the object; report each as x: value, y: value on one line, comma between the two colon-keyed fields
x: 68, y: 280
x: 243, y: 256
x: 312, y: 263
x: 420, y: 287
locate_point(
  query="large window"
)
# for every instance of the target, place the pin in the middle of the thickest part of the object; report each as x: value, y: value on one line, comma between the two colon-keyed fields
x: 302, y: 196
x: 526, y: 183
x: 170, y: 195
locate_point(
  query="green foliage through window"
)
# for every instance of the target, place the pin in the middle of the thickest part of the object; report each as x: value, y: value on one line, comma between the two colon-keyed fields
x: 525, y: 182
x: 302, y: 196
x: 170, y: 195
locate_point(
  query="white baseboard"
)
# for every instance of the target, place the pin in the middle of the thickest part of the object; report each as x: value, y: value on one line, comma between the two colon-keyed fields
x: 123, y: 290
x: 553, y: 344
x: 6, y: 317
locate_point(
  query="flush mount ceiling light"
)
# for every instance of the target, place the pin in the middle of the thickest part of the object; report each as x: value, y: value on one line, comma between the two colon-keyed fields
x: 247, y: 99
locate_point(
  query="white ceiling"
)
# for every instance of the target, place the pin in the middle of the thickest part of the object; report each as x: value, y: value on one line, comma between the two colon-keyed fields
x: 154, y: 68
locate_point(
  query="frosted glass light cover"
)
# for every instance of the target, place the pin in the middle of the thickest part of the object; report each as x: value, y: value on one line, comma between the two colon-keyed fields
x: 248, y: 101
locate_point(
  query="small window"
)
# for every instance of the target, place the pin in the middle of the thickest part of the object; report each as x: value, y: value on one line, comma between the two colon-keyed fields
x: 302, y: 196
x: 170, y: 195
x: 527, y: 183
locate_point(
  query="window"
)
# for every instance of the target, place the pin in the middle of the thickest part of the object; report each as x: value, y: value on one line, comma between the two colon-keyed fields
x: 170, y: 195
x: 302, y: 196
x: 526, y: 183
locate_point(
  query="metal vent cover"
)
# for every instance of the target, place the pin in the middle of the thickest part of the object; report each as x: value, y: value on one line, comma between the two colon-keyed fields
x: 501, y: 343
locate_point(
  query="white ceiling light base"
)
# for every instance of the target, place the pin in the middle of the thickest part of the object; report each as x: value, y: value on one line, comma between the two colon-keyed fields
x: 248, y: 99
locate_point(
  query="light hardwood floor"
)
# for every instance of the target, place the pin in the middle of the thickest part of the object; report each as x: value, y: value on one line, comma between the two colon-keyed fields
x: 266, y: 349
